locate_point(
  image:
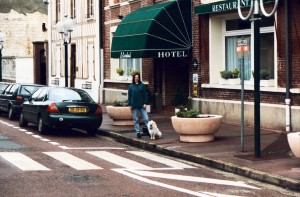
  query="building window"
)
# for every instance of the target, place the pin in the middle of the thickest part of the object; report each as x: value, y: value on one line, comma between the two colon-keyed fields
x: 57, y: 16
x: 90, y: 8
x: 73, y: 8
x: 130, y: 65
x: 241, y: 30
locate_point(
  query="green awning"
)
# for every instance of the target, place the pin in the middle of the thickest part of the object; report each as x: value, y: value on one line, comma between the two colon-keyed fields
x: 161, y: 30
x: 223, y: 6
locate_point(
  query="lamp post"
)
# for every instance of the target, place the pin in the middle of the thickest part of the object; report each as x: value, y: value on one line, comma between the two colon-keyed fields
x: 256, y: 6
x: 2, y: 39
x: 65, y: 28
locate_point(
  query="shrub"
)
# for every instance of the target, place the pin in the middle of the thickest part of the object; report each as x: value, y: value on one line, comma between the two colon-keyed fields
x: 187, y: 113
x: 263, y: 74
x: 120, y: 71
x: 235, y: 73
x: 120, y: 103
x: 230, y: 74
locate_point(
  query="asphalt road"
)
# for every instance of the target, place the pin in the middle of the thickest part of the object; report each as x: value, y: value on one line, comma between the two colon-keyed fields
x: 71, y: 163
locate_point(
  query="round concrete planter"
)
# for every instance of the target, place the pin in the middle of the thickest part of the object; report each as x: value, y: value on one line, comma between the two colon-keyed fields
x: 294, y: 142
x: 200, y: 129
x: 121, y: 115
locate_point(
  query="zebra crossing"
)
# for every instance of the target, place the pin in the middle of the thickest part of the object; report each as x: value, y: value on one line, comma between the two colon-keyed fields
x: 25, y: 163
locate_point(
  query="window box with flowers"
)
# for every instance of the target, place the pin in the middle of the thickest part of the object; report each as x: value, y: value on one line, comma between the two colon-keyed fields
x: 230, y: 77
x: 265, y: 80
x: 121, y: 76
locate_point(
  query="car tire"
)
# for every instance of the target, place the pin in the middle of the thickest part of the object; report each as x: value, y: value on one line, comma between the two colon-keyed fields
x: 42, y: 128
x: 92, y: 131
x: 11, y: 114
x: 22, y: 121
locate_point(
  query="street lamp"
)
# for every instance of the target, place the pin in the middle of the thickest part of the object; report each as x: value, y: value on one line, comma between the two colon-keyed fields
x: 2, y: 39
x: 65, y: 28
x: 256, y: 5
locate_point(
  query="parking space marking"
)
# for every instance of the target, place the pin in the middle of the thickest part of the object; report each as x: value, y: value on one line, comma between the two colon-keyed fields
x: 54, y: 143
x: 45, y: 140
x: 36, y: 136
x: 90, y: 148
x: 29, y: 133
x: 22, y: 130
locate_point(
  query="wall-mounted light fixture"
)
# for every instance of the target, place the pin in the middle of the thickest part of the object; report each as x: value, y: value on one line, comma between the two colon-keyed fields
x: 195, y: 63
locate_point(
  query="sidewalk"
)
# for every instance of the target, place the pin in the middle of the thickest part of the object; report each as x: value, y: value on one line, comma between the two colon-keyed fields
x: 277, y: 165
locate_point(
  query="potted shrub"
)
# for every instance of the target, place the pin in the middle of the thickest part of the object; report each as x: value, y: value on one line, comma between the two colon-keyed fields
x: 120, y: 72
x: 230, y: 77
x: 195, y: 127
x: 120, y: 113
x: 265, y: 80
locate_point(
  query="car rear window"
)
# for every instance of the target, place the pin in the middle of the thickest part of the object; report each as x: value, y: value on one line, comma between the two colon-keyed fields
x: 61, y: 94
x: 28, y: 90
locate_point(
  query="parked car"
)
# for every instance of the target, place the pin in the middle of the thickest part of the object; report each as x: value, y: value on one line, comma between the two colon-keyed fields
x: 52, y: 107
x: 14, y: 95
x: 3, y: 86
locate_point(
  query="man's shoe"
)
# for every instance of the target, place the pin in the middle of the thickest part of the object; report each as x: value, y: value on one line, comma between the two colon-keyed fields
x: 138, y: 135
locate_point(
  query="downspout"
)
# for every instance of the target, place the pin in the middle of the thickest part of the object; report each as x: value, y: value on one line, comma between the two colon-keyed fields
x: 287, y: 54
x: 100, y: 88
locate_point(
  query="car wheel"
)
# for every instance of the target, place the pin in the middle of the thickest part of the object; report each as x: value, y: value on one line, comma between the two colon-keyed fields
x: 42, y: 128
x: 22, y: 121
x: 92, y: 131
x: 11, y: 114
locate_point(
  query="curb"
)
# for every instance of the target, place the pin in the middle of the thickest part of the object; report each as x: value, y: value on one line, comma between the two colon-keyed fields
x: 286, y: 183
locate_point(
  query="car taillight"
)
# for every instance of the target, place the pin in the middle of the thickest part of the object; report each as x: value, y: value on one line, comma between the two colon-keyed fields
x: 99, y: 110
x: 52, y: 108
x: 19, y: 98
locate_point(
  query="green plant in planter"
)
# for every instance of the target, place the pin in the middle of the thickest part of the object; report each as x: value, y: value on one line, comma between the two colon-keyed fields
x: 230, y: 74
x: 235, y: 73
x: 263, y: 74
x: 187, y: 113
x: 120, y: 71
x: 118, y: 103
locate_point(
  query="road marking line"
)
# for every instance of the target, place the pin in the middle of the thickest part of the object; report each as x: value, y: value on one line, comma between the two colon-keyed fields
x: 45, y: 140
x: 89, y: 148
x: 192, y: 179
x: 29, y: 133
x: 118, y: 160
x: 22, y: 130
x: 36, y: 136
x: 134, y: 176
x: 54, y: 143
x: 23, y: 162
x: 72, y: 161
x: 163, y: 160
x: 16, y: 127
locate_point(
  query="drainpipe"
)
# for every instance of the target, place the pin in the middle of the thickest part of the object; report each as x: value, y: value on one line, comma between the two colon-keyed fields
x: 287, y: 54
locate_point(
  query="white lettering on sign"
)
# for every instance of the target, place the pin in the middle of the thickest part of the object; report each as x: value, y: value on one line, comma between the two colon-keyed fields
x: 171, y: 54
x: 86, y: 86
x: 125, y: 55
x: 229, y: 6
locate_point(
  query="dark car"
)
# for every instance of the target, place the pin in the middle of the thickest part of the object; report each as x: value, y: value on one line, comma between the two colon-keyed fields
x: 3, y: 86
x: 51, y: 107
x: 14, y: 95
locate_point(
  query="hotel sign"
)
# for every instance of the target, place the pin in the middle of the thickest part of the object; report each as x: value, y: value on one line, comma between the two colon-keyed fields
x: 171, y: 54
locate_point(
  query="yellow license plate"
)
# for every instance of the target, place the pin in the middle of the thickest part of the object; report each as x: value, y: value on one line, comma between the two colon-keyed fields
x: 77, y: 109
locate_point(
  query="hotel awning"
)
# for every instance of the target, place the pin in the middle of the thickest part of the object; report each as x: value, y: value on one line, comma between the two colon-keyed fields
x: 222, y: 6
x: 161, y: 30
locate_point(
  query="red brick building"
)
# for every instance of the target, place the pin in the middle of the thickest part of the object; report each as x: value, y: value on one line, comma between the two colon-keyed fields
x: 216, y: 30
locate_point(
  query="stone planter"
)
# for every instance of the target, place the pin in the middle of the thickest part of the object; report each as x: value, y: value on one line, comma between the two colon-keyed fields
x: 294, y: 142
x: 235, y: 81
x: 121, y: 115
x: 200, y: 129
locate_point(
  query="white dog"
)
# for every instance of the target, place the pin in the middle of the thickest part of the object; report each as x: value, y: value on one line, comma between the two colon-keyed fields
x: 153, y: 130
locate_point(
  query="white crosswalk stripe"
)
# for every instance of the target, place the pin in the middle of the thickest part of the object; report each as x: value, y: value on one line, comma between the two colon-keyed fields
x: 23, y: 162
x: 72, y: 161
x: 163, y: 160
x: 118, y: 160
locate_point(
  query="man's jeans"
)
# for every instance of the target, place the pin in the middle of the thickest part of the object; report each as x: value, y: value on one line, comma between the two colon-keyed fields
x: 135, y: 114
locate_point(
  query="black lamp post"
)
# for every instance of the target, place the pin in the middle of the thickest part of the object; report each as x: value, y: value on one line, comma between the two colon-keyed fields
x: 65, y: 28
x: 2, y: 39
x: 256, y: 5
